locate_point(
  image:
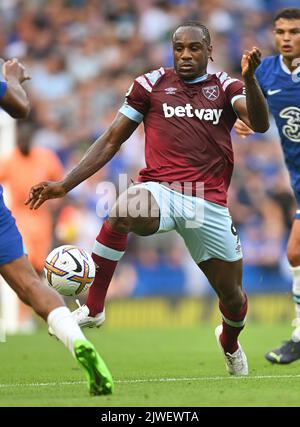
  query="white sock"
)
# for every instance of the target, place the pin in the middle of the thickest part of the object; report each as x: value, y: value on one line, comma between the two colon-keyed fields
x: 65, y: 327
x: 296, y: 298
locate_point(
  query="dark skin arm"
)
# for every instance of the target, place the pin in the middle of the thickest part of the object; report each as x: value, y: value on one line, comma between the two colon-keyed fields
x: 254, y: 110
x: 15, y: 101
x: 103, y: 150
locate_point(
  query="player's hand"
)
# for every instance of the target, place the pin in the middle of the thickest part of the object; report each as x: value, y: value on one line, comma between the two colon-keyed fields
x: 250, y: 61
x: 14, y: 68
x: 44, y: 191
x: 242, y: 129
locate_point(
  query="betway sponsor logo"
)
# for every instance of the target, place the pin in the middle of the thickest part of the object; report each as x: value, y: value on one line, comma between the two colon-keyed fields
x: 208, y: 114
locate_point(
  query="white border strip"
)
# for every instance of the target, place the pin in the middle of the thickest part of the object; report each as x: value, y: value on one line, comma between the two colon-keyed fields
x: 106, y: 252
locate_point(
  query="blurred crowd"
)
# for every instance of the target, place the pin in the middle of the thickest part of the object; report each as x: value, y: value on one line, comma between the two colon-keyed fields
x: 82, y: 56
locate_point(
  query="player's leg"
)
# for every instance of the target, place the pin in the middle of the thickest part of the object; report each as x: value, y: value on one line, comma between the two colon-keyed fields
x: 226, y: 279
x: 47, y: 303
x: 293, y: 254
x: 215, y: 247
x: 111, y: 244
x: 289, y: 351
x: 19, y: 274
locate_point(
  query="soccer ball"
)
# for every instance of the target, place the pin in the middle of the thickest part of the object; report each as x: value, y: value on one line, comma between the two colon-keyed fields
x: 70, y: 270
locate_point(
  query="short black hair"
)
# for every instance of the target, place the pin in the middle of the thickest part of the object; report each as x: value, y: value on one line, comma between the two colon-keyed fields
x: 197, y: 25
x: 291, y: 13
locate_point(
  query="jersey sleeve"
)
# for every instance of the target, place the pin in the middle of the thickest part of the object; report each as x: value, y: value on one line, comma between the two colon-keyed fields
x: 234, y: 90
x: 137, y: 100
x: 3, y: 88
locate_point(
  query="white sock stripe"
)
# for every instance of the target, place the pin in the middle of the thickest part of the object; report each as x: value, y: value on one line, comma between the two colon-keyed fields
x: 106, y: 252
x: 233, y: 323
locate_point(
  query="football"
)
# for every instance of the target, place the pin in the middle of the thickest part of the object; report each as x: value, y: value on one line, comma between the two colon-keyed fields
x: 70, y: 270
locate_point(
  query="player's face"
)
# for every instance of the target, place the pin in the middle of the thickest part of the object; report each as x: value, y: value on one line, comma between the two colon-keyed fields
x: 287, y: 37
x: 191, y: 52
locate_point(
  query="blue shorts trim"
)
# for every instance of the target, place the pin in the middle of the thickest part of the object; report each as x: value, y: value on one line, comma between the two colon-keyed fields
x: 11, y: 243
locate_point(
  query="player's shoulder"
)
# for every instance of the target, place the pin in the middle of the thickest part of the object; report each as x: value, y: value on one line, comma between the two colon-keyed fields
x: 225, y: 80
x: 268, y: 65
x: 151, y: 79
x: 270, y: 61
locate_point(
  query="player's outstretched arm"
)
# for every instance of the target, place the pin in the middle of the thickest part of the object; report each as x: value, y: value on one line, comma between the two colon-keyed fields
x: 103, y: 149
x: 254, y: 111
x: 15, y: 101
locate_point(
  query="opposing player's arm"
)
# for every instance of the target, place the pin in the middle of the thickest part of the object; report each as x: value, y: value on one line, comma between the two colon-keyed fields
x: 14, y: 99
x: 103, y: 149
x: 252, y: 109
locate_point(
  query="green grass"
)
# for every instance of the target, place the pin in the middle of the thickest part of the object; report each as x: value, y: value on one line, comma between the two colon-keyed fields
x: 36, y: 370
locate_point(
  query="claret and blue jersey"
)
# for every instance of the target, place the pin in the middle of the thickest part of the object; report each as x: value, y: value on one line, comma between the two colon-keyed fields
x: 11, y: 245
x: 187, y: 128
x: 282, y: 91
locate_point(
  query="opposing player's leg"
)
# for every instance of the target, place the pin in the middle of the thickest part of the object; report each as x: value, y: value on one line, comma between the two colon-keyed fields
x: 47, y: 303
x: 226, y: 279
x: 289, y: 351
x: 110, y: 245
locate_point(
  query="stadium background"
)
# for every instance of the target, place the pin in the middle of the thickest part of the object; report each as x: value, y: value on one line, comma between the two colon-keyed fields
x: 82, y: 56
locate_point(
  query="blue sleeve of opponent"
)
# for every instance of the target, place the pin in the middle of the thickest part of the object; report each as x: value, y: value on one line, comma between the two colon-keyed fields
x: 3, y: 88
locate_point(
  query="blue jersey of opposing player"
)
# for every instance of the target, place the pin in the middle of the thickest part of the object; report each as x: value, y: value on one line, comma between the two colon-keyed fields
x: 11, y: 245
x: 282, y: 91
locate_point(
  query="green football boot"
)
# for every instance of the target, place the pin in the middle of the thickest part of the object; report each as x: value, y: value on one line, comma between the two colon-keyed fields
x: 99, y: 378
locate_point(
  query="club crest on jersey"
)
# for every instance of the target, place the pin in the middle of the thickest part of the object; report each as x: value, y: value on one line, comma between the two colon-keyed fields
x: 211, y: 92
x: 291, y: 129
x: 170, y: 90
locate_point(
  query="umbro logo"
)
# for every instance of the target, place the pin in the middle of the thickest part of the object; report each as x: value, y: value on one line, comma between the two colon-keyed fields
x: 272, y: 92
x: 170, y: 90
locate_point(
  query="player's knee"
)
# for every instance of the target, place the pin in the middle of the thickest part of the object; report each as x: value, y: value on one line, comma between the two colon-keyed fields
x: 293, y: 255
x: 120, y: 224
x: 234, y: 300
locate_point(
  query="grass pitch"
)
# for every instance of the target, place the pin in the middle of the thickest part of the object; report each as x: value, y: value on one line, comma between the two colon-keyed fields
x: 162, y: 367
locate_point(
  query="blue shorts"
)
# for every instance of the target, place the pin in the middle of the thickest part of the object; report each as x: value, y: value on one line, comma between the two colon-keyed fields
x: 11, y: 244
